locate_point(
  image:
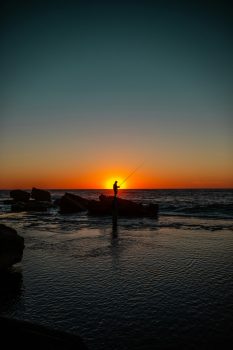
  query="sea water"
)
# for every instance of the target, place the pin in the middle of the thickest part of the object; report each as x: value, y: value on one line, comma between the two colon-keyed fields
x: 146, y: 283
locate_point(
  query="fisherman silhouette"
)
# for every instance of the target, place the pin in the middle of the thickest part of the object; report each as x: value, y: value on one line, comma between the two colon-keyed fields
x: 115, y: 188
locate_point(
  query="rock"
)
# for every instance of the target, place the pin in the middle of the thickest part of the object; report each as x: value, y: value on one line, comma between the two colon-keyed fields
x: 123, y: 207
x: 40, y: 195
x: 20, y: 196
x: 71, y: 203
x: 100, y: 208
x: 152, y: 209
x: 34, y: 336
x: 32, y: 205
x: 11, y: 247
x: 9, y: 201
x: 56, y: 202
x: 11, y: 287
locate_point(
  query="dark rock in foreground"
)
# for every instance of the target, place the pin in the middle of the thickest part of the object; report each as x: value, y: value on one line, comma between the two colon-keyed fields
x: 20, y: 195
x: 11, y: 288
x: 123, y: 207
x: 11, y: 247
x: 71, y: 203
x: 40, y: 195
x: 32, y: 336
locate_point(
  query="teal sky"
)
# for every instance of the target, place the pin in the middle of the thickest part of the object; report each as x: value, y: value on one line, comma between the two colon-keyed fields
x: 86, y: 84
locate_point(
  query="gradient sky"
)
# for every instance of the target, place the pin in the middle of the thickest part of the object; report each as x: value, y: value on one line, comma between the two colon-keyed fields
x: 89, y: 90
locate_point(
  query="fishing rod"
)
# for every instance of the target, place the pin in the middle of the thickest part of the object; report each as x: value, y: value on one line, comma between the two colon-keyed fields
x: 132, y: 173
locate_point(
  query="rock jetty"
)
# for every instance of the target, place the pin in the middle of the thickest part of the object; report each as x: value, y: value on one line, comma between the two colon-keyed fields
x: 20, y: 195
x: 124, y: 207
x: 40, y: 195
x: 37, y: 200
x: 71, y: 203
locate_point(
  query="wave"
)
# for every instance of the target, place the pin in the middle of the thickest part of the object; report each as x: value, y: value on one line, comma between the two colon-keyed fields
x: 207, y: 210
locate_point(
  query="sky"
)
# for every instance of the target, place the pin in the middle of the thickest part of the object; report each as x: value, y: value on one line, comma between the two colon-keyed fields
x: 90, y: 90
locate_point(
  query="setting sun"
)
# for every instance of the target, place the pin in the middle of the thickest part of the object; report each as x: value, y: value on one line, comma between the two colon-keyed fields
x: 109, y: 183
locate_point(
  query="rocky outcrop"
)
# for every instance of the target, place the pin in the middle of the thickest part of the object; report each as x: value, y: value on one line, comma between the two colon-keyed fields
x: 21, y: 200
x: 20, y: 195
x: 11, y: 247
x: 71, y: 203
x: 34, y: 336
x: 32, y: 205
x: 108, y: 205
x: 11, y: 287
x: 40, y: 195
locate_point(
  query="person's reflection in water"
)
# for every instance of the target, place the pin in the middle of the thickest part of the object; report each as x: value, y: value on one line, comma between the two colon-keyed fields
x: 114, y: 227
x: 115, y: 249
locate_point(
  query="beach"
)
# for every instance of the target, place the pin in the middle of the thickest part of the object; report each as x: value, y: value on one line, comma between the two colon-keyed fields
x: 146, y: 283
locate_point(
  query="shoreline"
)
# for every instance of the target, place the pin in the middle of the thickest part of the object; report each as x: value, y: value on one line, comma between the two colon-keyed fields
x: 92, y: 280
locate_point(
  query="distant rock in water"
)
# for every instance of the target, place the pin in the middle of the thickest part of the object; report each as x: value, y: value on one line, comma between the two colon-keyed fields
x: 123, y: 207
x: 20, y: 195
x: 32, y: 205
x: 40, y: 195
x: 21, y: 200
x: 71, y: 203
x: 11, y: 247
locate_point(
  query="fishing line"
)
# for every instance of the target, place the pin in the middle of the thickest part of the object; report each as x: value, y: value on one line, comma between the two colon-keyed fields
x: 132, y: 173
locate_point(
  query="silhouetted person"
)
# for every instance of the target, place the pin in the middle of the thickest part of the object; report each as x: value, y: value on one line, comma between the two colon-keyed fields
x: 115, y: 188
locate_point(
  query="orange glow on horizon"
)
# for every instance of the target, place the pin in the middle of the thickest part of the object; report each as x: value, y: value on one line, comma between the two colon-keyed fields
x: 97, y: 178
x: 145, y: 182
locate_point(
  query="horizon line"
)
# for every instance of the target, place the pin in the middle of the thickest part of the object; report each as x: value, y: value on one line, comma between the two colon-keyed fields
x: 123, y: 189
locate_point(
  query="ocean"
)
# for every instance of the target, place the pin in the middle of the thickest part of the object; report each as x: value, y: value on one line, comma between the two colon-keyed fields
x: 147, y: 283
